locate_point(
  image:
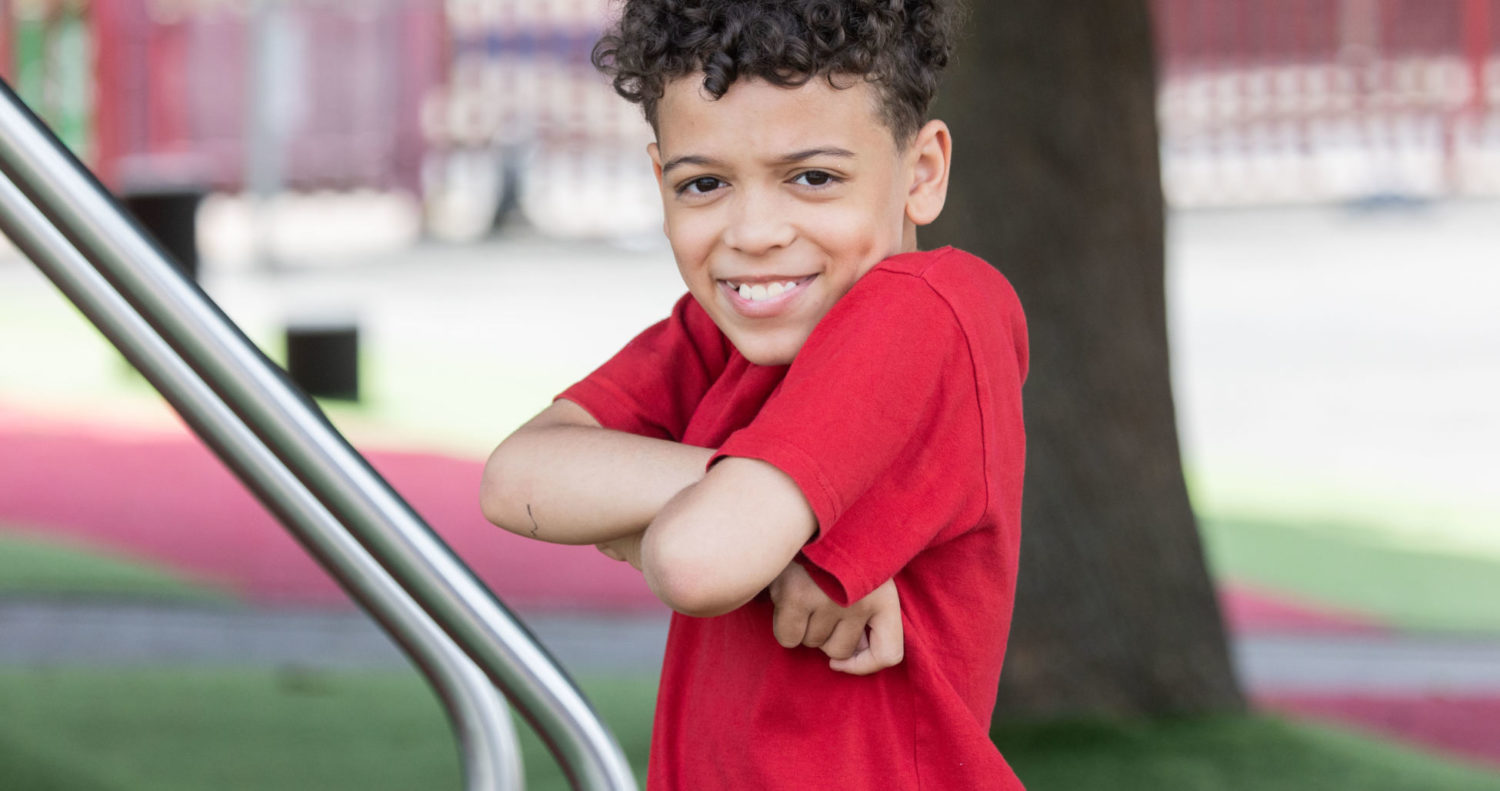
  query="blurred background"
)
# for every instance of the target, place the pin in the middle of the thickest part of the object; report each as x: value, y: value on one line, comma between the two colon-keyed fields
x: 438, y: 215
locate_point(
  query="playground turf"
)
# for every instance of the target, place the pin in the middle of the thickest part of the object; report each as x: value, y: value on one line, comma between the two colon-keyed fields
x: 163, y: 730
x: 1345, y: 567
x: 33, y: 564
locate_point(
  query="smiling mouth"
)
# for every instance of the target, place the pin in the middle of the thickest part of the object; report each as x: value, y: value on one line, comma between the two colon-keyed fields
x: 764, y: 290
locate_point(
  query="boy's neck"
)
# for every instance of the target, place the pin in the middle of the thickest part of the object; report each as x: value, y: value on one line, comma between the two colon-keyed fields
x: 909, y: 237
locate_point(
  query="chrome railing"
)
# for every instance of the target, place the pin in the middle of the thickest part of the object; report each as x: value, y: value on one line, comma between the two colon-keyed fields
x: 285, y: 451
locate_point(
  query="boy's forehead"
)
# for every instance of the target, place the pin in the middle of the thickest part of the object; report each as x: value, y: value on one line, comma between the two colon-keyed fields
x: 758, y: 115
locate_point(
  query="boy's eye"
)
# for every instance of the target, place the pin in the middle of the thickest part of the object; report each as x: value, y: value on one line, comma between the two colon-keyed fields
x: 815, y: 178
x: 700, y: 185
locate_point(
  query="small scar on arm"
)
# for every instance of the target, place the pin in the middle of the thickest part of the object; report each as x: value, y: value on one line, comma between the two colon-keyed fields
x: 534, y: 526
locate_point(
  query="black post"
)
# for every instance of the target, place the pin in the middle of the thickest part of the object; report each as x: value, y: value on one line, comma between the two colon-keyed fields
x: 170, y: 215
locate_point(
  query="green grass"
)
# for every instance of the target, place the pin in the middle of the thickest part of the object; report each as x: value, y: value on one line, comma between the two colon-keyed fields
x: 20, y: 769
x: 1350, y: 567
x: 1224, y: 754
x: 32, y: 565
x: 162, y: 730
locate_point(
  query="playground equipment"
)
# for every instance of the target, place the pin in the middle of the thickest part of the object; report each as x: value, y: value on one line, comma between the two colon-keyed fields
x: 276, y: 440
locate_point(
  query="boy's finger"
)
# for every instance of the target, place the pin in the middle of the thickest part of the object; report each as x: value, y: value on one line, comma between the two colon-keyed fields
x: 885, y: 648
x: 861, y: 664
x: 887, y: 639
x: 844, y: 640
x: 820, y: 627
x: 789, y: 625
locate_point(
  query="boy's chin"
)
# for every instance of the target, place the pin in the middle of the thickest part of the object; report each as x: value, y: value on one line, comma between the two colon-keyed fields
x: 768, y: 351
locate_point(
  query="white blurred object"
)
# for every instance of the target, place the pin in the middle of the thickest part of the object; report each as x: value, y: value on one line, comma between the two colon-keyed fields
x: 306, y: 229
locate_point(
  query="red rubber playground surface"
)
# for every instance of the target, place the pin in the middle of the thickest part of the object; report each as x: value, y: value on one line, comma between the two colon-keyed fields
x: 160, y: 496
x: 164, y: 498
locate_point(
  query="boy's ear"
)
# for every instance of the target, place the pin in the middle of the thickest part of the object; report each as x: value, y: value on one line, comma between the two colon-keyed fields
x: 654, y: 151
x: 930, y: 154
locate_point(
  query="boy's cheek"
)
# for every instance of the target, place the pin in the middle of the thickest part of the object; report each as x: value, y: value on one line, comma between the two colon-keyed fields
x: 691, y: 239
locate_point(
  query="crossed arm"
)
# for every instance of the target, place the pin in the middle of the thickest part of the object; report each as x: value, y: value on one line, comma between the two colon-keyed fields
x: 706, y: 543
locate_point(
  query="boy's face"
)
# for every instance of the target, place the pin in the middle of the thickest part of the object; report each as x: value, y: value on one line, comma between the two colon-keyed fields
x: 777, y: 200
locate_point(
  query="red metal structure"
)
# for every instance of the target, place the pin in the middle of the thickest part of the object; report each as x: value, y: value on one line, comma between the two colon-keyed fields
x: 169, y: 87
x: 1268, y: 100
x: 1261, y: 100
x: 173, y: 78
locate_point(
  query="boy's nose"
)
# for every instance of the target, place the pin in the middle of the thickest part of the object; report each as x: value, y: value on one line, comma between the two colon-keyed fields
x: 758, y: 226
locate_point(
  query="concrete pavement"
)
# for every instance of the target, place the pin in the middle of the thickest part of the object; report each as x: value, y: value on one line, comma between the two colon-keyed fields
x: 93, y: 634
x: 61, y: 633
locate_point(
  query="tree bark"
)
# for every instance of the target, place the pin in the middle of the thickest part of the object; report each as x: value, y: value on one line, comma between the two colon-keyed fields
x: 1057, y: 182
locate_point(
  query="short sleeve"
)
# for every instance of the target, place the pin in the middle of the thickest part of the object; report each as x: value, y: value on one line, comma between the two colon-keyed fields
x: 877, y: 421
x: 652, y: 386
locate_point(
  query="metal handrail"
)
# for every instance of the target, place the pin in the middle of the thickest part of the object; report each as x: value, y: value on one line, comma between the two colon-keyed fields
x: 292, y: 458
x: 479, y: 715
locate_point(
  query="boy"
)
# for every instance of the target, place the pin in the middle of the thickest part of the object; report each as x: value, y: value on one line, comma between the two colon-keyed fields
x: 822, y: 446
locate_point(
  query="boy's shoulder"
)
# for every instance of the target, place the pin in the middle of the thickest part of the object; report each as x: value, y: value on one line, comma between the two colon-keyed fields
x: 923, y: 300
x: 970, y: 287
x: 921, y: 262
x: 945, y: 269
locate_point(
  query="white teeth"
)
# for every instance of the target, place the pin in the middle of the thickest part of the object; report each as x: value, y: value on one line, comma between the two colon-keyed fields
x: 762, y: 291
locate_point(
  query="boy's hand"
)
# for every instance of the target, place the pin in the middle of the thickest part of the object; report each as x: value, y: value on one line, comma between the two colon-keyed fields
x: 806, y: 616
x: 625, y: 548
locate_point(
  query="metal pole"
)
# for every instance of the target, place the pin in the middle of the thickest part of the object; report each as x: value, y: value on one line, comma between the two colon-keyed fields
x: 292, y: 428
x: 266, y: 119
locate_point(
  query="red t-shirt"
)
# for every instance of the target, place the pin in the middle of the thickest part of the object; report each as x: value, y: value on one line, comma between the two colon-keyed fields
x: 900, y: 420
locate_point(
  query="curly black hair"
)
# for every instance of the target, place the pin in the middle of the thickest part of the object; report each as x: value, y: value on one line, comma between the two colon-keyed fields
x: 899, y: 45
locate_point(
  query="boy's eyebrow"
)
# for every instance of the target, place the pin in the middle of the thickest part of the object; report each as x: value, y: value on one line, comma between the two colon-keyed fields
x: 690, y: 159
x: 795, y: 156
x: 825, y: 151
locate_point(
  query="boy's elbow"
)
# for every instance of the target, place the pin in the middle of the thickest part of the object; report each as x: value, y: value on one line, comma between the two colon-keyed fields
x: 497, y: 497
x: 690, y: 582
x: 492, y: 505
x: 689, y: 593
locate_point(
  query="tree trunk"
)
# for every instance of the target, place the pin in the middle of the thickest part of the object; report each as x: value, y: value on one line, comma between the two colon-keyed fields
x: 1057, y: 182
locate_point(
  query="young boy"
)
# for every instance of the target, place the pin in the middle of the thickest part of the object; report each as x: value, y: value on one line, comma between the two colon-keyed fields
x: 821, y: 448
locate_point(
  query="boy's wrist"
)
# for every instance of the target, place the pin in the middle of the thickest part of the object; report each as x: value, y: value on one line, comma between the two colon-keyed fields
x: 626, y: 549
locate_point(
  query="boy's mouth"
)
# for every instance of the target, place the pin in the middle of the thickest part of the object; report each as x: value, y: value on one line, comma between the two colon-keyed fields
x: 763, y: 290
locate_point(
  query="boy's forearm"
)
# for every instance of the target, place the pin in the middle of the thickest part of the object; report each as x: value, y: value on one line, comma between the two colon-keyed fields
x: 562, y: 480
